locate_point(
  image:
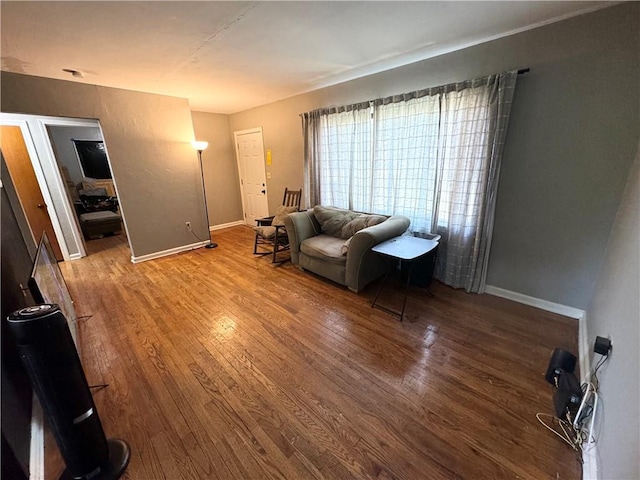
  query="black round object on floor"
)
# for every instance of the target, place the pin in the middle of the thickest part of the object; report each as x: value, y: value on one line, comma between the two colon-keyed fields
x: 119, y: 456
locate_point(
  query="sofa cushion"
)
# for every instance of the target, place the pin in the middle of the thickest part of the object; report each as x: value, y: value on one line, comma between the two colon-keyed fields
x: 266, y: 231
x: 342, y: 223
x: 326, y: 247
x: 103, y: 215
x: 360, y: 222
x: 332, y: 219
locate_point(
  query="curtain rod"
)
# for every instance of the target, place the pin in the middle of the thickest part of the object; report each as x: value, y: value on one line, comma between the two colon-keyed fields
x: 521, y: 71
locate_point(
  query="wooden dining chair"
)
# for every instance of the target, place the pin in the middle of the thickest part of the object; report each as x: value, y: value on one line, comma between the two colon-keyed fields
x: 271, y: 235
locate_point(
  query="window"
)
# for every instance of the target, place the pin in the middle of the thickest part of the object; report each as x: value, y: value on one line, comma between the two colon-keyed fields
x: 93, y: 158
x: 432, y: 155
x: 424, y: 158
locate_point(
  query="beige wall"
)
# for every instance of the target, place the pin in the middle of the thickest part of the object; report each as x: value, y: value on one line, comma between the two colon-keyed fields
x: 571, y: 142
x: 149, y: 142
x: 220, y: 167
x: 282, y: 134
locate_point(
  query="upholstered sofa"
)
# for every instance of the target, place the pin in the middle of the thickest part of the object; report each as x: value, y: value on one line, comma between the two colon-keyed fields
x: 97, y: 212
x: 336, y: 243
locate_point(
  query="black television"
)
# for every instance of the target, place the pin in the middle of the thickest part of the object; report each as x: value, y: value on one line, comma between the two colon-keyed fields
x: 47, y: 285
x: 93, y: 159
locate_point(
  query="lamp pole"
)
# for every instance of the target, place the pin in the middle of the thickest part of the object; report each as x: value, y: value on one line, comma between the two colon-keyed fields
x: 200, y: 146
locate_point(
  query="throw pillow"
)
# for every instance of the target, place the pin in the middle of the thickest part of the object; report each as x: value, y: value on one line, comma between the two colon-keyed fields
x: 282, y: 212
x: 332, y: 219
x: 360, y: 222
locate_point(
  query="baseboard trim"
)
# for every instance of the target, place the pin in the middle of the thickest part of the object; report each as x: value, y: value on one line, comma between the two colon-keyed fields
x: 184, y: 248
x: 590, y: 462
x: 590, y: 450
x: 220, y: 226
x: 166, y: 253
x: 584, y: 349
x: 536, y: 302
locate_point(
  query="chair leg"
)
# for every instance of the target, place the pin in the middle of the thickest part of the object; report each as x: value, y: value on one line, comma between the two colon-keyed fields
x: 259, y: 240
x: 280, y: 247
x: 276, y: 244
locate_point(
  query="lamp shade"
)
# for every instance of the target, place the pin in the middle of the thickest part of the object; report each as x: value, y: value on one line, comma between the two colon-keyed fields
x: 199, y: 145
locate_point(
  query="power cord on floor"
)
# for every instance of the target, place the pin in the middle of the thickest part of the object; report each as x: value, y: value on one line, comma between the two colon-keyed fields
x: 83, y: 318
x: 566, y: 432
x: 194, y: 234
x: 100, y: 386
x: 579, y: 431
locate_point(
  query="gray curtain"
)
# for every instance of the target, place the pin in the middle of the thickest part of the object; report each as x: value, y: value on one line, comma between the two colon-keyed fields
x: 316, y: 128
x: 311, y: 135
x: 464, y: 252
x: 433, y: 155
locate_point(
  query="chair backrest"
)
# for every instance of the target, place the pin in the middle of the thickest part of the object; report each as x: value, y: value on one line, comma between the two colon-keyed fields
x: 292, y: 198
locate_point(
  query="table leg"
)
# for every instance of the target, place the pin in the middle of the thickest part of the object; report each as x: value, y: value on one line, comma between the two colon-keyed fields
x: 406, y: 289
x: 384, y: 280
x: 406, y: 286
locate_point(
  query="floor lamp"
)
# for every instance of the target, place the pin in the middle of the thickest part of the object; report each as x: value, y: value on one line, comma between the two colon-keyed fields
x: 200, y: 146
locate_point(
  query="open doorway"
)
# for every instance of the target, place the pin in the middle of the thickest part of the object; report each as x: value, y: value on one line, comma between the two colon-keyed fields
x: 49, y: 154
x: 81, y: 156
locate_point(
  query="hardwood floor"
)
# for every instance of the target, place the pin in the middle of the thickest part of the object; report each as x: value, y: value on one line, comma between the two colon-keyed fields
x: 222, y: 365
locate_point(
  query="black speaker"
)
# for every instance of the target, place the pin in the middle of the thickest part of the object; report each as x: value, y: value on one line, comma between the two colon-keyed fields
x: 47, y: 350
x: 561, y: 360
x: 568, y: 395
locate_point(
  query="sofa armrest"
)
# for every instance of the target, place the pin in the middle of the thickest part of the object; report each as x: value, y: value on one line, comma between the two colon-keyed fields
x: 300, y: 226
x: 363, y: 265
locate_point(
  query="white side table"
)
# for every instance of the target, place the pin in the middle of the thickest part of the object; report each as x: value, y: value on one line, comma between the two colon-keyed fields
x: 407, y: 250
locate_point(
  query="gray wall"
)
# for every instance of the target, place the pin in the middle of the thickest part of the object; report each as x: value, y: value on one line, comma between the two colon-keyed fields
x: 572, y: 140
x: 570, y: 145
x: 615, y: 313
x: 149, y: 140
x: 220, y: 167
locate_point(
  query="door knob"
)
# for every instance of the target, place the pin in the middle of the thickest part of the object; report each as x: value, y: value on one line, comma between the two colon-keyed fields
x: 263, y: 191
x: 42, y: 205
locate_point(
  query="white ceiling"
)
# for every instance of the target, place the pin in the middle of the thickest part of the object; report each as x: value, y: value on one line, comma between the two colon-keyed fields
x: 230, y: 56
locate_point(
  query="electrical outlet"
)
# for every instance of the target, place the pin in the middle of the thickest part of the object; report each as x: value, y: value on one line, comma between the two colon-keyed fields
x: 602, y: 346
x: 188, y: 225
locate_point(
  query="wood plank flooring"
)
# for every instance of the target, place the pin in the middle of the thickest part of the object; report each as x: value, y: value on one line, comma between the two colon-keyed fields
x: 222, y: 365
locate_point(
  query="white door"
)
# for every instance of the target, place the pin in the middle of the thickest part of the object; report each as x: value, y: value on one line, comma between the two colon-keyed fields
x: 253, y: 182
